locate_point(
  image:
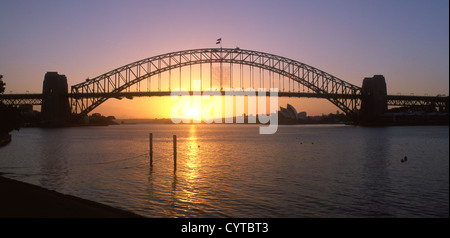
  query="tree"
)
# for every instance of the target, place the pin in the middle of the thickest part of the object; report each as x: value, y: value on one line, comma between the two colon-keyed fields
x: 9, y: 115
x: 9, y: 119
x: 2, y: 85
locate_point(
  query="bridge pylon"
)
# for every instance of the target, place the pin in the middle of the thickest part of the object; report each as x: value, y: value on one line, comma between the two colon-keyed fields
x: 373, y: 99
x: 55, y: 102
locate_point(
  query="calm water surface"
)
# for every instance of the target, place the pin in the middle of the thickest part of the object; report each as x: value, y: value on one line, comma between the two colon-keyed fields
x: 232, y: 171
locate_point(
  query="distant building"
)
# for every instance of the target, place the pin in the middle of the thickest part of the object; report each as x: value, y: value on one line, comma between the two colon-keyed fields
x: 291, y: 113
x: 302, y: 115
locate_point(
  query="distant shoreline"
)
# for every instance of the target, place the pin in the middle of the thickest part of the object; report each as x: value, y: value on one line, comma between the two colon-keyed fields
x: 169, y: 121
x: 285, y: 122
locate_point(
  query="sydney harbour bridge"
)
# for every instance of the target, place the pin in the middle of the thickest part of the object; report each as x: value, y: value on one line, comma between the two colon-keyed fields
x: 218, y: 68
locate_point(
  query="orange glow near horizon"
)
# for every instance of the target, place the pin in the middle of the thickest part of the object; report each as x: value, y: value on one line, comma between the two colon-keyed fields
x: 160, y: 107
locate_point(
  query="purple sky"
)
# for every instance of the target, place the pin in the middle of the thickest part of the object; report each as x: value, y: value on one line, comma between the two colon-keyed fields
x: 405, y: 40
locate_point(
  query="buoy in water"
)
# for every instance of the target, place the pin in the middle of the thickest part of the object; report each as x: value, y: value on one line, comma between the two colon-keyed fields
x: 404, y: 159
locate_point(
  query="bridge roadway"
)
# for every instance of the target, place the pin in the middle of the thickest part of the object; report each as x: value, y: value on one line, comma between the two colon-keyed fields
x: 393, y: 100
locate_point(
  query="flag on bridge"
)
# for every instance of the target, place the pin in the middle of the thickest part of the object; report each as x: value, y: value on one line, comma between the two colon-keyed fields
x: 219, y: 41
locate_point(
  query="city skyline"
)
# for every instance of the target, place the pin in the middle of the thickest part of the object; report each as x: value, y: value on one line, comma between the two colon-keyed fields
x: 406, y: 41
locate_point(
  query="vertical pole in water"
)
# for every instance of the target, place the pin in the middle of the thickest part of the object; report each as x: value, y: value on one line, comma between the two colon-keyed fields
x: 151, y: 148
x: 174, y: 152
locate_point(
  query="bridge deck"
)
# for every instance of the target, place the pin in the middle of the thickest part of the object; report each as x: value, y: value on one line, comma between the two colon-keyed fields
x: 393, y: 100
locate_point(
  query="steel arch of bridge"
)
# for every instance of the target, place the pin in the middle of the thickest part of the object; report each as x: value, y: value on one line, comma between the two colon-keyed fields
x: 118, y: 80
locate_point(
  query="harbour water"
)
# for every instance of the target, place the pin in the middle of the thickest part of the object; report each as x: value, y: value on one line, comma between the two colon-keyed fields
x: 233, y: 171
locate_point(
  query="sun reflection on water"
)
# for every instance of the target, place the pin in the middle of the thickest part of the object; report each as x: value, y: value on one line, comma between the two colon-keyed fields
x: 192, y: 155
x: 190, y: 170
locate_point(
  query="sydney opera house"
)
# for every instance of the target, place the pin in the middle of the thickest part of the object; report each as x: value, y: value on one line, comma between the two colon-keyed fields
x: 290, y: 113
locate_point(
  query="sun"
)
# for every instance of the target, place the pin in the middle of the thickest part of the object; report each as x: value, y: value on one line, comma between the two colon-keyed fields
x: 194, y: 113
